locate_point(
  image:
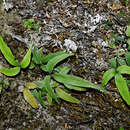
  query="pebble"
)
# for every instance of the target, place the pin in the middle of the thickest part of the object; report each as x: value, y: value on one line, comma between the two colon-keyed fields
x: 20, y: 88
x: 70, y: 45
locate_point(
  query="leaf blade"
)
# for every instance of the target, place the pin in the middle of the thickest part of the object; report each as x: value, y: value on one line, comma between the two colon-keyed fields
x: 30, y: 85
x: 37, y: 56
x: 74, y: 87
x: 122, y: 87
x: 76, y: 81
x: 52, y: 63
x: 112, y: 62
x: 49, y: 88
x: 65, y: 96
x: 38, y: 95
x: 127, y: 32
x: 121, y: 61
x: 49, y: 99
x: 7, y: 53
x: 27, y: 58
x: 10, y: 72
x: 124, y: 69
x: 108, y: 75
x: 45, y: 59
x: 127, y: 57
x: 30, y: 98
x: 63, y: 69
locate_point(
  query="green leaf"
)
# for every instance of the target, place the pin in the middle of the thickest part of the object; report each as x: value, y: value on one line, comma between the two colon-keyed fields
x: 49, y: 99
x: 10, y: 72
x: 29, y: 23
x: 65, y: 96
x: 128, y: 41
x: 52, y: 63
x: 124, y: 69
x: 121, y: 61
x: 74, y: 87
x: 39, y: 97
x: 26, y: 60
x: 54, y: 84
x: 122, y: 87
x: 129, y: 48
x: 7, y: 53
x: 6, y: 83
x: 37, y: 56
x: 41, y: 85
x: 63, y: 69
x: 127, y: 32
x: 45, y: 59
x: 108, y: 75
x: 44, y: 68
x: 121, y: 129
x: 31, y: 66
x: 127, y: 57
x: 128, y: 82
x: 49, y: 88
x: 112, y: 62
x: 30, y: 98
x: 76, y: 81
x: 31, y: 85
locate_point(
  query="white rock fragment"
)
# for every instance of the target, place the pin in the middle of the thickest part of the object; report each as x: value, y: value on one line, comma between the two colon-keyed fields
x: 92, y: 22
x: 101, y: 42
x: 46, y: 37
x: 96, y: 19
x: 7, y: 5
x: 70, y: 45
x: 10, y: 129
x: 104, y: 43
x: 21, y: 88
x: 95, y: 50
x: 92, y: 28
x: 101, y: 63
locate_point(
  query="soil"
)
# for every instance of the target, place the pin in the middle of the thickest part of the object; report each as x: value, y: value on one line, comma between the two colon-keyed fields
x: 78, y: 26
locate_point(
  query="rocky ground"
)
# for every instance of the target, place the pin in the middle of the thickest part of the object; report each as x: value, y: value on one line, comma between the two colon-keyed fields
x: 83, y: 27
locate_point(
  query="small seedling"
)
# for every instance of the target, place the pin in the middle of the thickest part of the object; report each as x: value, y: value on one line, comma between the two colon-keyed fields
x: 31, y: 24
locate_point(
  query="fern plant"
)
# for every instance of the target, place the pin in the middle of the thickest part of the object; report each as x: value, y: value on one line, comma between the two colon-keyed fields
x: 57, y: 83
x: 116, y: 72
